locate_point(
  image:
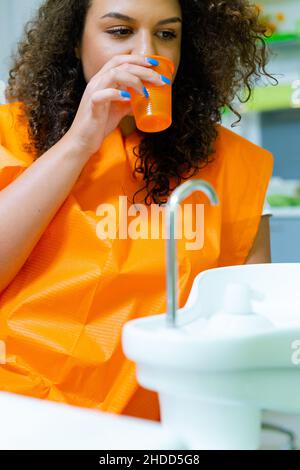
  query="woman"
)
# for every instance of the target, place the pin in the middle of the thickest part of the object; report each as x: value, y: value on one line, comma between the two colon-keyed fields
x: 69, y: 144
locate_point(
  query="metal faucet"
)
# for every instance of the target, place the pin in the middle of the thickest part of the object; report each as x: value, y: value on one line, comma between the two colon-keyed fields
x: 178, y: 195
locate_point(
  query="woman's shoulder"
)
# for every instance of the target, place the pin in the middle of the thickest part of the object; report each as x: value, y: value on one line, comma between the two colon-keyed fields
x: 12, y: 118
x: 246, y: 172
x: 234, y: 146
x: 14, y: 130
x: 245, y: 164
x: 8, y: 110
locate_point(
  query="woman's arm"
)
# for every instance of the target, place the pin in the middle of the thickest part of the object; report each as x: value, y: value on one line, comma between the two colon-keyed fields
x: 261, y: 249
x: 28, y: 204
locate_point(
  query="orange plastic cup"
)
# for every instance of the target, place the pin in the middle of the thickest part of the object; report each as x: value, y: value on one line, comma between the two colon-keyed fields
x: 154, y: 114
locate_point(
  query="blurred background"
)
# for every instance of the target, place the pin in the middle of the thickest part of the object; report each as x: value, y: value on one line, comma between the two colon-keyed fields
x: 271, y: 119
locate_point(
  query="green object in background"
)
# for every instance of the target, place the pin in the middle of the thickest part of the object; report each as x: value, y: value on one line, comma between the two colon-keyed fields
x: 270, y: 98
x: 284, y: 37
x: 281, y: 200
x: 225, y: 110
x: 267, y: 98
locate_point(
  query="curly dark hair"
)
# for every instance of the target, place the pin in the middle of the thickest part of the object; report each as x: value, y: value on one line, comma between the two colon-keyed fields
x: 223, y: 52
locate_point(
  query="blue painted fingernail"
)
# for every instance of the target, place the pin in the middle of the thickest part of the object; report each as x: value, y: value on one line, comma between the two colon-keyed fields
x: 125, y: 94
x: 152, y: 61
x: 166, y: 80
x: 146, y: 92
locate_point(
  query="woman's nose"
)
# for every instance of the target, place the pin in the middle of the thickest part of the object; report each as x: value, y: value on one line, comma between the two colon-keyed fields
x: 144, y: 44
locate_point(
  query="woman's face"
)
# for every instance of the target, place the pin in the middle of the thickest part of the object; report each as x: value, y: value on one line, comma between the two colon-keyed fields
x: 140, y: 33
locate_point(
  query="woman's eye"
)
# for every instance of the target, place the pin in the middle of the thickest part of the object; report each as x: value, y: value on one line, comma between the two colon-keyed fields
x: 122, y: 32
x: 116, y: 31
x: 170, y: 34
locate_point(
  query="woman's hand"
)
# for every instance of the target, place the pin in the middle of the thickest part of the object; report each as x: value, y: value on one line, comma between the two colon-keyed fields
x: 102, y: 107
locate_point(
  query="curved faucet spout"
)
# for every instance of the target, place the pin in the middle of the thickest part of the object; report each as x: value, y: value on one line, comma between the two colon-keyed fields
x: 178, y: 195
